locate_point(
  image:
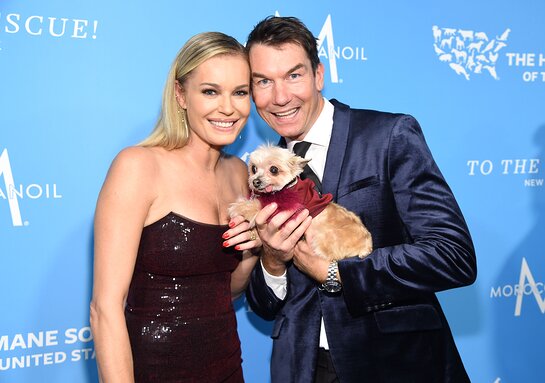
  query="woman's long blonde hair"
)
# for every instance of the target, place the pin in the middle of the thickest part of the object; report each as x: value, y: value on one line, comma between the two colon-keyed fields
x: 171, y: 130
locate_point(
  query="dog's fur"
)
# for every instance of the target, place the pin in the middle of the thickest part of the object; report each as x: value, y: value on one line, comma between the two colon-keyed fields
x: 336, y: 232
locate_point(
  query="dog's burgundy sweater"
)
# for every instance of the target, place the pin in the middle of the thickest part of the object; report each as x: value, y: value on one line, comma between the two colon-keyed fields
x: 300, y: 196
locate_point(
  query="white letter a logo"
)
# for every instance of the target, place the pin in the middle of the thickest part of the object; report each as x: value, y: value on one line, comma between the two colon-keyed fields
x: 526, y: 275
x: 5, y: 169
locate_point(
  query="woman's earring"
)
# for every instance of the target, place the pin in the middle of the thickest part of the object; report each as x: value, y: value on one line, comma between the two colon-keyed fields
x: 179, y: 110
x: 181, y: 113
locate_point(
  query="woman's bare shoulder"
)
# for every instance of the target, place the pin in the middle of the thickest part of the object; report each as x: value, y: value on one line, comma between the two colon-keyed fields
x: 136, y: 154
x: 137, y: 159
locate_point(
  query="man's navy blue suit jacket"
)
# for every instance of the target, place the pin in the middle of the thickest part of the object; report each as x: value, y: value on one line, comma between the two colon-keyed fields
x: 387, y: 324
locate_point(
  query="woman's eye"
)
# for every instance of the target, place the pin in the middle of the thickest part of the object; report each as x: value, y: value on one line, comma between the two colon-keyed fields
x: 273, y: 170
x: 209, y: 92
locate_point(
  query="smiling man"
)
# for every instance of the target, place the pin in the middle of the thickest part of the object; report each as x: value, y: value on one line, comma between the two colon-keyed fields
x: 375, y: 319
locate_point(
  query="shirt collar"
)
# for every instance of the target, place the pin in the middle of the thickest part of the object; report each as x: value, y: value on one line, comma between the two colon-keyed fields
x: 320, y: 133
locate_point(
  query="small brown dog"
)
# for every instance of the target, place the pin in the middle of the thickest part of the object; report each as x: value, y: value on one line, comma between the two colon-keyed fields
x: 273, y: 177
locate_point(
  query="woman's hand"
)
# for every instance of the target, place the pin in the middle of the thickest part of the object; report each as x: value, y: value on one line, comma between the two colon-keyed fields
x: 241, y: 236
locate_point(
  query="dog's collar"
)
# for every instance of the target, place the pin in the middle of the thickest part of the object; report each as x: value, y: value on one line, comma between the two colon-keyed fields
x: 291, y: 183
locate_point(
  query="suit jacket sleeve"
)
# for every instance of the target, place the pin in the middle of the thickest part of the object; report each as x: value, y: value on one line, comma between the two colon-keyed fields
x: 437, y: 251
x: 261, y: 297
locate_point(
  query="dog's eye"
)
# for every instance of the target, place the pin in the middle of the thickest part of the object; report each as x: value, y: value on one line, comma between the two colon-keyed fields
x: 254, y: 169
x: 273, y: 170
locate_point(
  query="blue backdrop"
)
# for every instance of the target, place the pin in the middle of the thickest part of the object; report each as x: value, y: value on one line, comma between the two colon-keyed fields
x: 81, y: 80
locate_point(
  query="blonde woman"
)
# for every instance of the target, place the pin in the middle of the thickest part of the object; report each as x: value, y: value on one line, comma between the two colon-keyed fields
x: 164, y: 271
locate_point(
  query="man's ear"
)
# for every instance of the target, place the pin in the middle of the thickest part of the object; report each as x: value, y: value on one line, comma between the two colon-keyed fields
x: 319, y: 77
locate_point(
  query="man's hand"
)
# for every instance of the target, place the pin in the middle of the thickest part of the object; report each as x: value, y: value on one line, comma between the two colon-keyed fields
x: 279, y: 236
x: 308, y: 262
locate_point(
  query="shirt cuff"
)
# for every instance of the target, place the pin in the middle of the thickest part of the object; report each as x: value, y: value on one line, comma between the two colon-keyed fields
x: 278, y: 284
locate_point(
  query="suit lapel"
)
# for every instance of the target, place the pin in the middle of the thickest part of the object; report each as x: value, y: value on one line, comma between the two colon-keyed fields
x: 337, y: 148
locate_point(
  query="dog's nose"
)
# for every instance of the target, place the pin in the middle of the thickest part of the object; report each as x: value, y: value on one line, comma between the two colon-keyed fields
x: 257, y: 183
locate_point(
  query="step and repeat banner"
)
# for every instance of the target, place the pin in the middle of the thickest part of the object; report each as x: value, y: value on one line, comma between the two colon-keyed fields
x: 79, y: 81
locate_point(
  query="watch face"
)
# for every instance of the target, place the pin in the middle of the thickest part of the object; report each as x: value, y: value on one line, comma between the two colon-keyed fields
x: 332, y: 286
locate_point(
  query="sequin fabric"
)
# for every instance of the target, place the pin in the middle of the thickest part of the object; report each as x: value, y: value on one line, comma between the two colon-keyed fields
x: 181, y: 323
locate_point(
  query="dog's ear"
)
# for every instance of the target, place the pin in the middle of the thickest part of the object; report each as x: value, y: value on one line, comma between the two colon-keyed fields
x: 299, y: 162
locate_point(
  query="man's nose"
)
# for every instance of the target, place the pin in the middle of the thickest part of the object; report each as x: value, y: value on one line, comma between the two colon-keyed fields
x: 281, y: 94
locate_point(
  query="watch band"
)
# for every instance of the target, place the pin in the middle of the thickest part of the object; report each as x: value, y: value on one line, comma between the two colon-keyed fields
x: 332, y: 283
x: 332, y: 271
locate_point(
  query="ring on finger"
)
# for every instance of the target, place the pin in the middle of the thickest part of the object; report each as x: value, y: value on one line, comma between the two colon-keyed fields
x: 253, y: 235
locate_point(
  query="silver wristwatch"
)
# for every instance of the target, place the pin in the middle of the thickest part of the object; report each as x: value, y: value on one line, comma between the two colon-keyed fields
x: 332, y: 283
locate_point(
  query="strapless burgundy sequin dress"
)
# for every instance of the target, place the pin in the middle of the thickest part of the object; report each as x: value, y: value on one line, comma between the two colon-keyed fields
x: 181, y: 323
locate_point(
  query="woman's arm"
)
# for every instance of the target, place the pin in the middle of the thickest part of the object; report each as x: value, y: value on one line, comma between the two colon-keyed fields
x: 241, y: 237
x: 121, y: 211
x: 239, y: 234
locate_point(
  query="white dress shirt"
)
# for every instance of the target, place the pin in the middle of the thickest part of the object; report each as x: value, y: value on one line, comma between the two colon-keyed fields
x: 319, y: 136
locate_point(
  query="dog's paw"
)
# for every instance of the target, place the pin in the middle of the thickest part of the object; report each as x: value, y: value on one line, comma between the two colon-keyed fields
x: 236, y: 208
x: 247, y: 208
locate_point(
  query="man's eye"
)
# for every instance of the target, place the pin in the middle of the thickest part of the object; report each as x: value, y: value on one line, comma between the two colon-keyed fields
x: 254, y: 169
x: 273, y: 170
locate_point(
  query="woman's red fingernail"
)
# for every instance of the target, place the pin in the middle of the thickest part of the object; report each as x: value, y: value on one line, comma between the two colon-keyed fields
x: 225, y: 235
x: 237, y: 247
x: 226, y: 244
x: 231, y: 224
